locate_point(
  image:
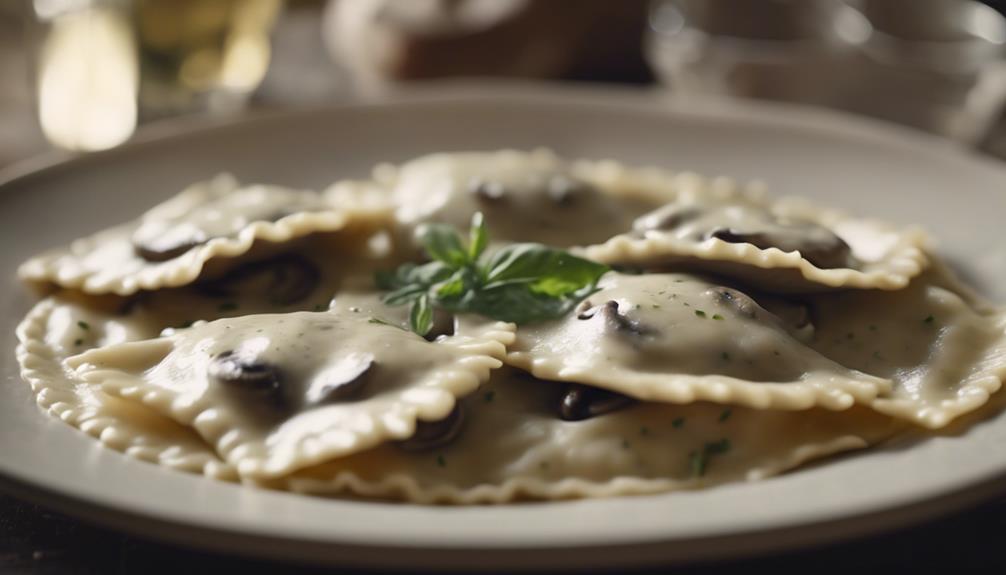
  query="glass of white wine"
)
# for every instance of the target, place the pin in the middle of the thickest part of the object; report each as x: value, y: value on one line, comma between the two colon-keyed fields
x: 102, y: 66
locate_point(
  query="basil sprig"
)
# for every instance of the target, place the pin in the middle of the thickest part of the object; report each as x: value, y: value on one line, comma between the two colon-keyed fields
x: 521, y: 283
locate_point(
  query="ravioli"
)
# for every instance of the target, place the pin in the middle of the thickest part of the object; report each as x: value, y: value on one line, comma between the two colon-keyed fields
x: 945, y: 357
x: 784, y: 246
x: 680, y: 338
x: 56, y: 329
x: 277, y: 392
x: 515, y: 445
x: 524, y: 196
x: 211, y: 224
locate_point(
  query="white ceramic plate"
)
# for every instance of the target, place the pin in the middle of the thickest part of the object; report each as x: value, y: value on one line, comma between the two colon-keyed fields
x: 868, y: 168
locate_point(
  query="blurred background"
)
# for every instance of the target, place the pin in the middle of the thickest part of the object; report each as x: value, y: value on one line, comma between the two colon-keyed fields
x: 84, y: 75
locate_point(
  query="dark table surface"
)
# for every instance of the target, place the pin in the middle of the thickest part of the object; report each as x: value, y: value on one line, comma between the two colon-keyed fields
x: 38, y: 541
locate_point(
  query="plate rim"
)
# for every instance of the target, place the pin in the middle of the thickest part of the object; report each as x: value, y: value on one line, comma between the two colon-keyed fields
x: 648, y: 101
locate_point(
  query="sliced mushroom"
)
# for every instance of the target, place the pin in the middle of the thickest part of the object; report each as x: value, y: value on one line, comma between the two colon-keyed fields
x: 816, y: 244
x: 162, y: 251
x: 739, y: 301
x: 564, y: 190
x: 487, y: 191
x: 434, y: 434
x: 282, y: 280
x: 342, y: 381
x: 613, y: 319
x: 666, y: 218
x: 579, y: 402
x: 248, y: 375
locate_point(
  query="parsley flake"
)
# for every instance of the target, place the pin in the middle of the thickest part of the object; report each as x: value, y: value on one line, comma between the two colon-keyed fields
x: 700, y: 313
x: 678, y: 422
x: 83, y: 325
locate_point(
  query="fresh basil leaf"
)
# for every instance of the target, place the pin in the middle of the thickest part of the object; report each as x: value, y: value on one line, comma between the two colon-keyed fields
x: 548, y: 271
x: 452, y: 288
x: 404, y: 294
x: 443, y: 243
x: 478, y: 237
x: 514, y: 303
x: 421, y: 315
x: 429, y: 273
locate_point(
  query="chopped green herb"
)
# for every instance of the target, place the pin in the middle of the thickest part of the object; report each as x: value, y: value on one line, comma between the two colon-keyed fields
x: 489, y: 396
x: 78, y: 342
x: 929, y: 319
x: 656, y: 306
x: 380, y: 321
x: 83, y: 325
x: 644, y: 430
x: 726, y: 414
x: 678, y: 422
x: 725, y: 355
x: 718, y: 447
x: 320, y: 307
x: 687, y: 304
x: 441, y: 462
x: 699, y: 460
x: 227, y: 306
x: 700, y: 313
x: 776, y: 352
x: 697, y: 463
x: 717, y: 317
x: 679, y: 281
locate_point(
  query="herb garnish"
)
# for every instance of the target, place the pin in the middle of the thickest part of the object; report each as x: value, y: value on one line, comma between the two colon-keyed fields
x: 78, y: 342
x: 678, y: 422
x: 521, y: 283
x: 700, y: 313
x: 717, y: 317
x: 699, y: 460
x: 83, y: 325
x: 929, y: 319
x: 490, y: 396
x: 441, y: 462
x: 726, y: 414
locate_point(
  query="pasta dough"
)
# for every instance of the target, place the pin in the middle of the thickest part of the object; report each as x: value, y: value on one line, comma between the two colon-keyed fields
x: 944, y: 357
x: 274, y: 393
x: 210, y: 222
x: 680, y: 338
x: 514, y: 445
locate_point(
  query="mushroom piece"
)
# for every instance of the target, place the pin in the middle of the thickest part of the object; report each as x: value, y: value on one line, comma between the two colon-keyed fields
x: 342, y: 381
x: 282, y: 280
x: 487, y: 191
x: 248, y: 375
x: 579, y: 402
x: 162, y: 251
x: 434, y: 434
x: 816, y: 244
x: 612, y: 318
